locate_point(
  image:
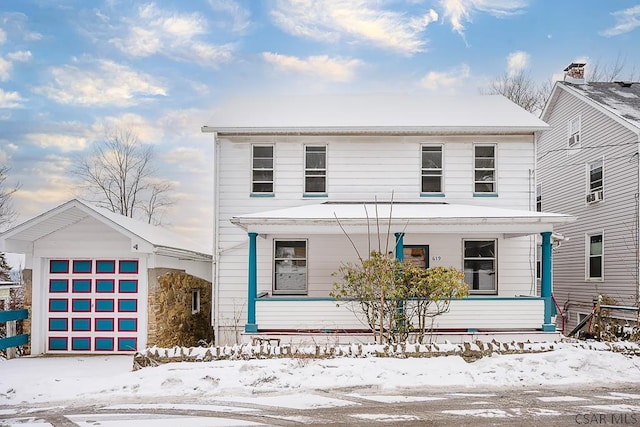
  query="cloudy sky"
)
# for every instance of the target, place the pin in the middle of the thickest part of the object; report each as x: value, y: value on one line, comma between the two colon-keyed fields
x: 70, y: 68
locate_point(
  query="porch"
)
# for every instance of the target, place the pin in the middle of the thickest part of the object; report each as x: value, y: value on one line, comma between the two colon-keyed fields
x: 511, y: 307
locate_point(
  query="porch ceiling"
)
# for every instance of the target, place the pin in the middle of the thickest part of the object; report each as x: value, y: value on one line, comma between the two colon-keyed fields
x: 410, y: 217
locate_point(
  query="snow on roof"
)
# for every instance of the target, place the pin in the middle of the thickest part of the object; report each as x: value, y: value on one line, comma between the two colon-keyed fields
x: 373, y: 112
x: 75, y: 210
x: 621, y: 99
x: 422, y: 214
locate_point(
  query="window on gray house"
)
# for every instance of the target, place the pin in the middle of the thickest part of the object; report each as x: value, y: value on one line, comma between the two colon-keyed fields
x: 484, y: 169
x: 595, y: 176
x: 595, y: 256
x: 574, y: 132
x: 431, y: 169
x: 315, y: 169
x: 262, y: 169
x: 290, y: 267
x: 480, y: 266
x: 539, y: 198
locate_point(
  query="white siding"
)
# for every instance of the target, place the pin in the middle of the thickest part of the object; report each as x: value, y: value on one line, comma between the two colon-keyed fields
x: 363, y: 168
x: 519, y: 313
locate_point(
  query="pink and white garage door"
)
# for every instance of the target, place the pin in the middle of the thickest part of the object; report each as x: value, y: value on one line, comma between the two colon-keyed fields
x: 92, y: 305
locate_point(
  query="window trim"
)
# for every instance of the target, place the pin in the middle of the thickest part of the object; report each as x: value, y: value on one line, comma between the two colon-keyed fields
x: 441, y: 169
x: 495, y: 266
x: 571, y: 131
x: 595, y: 194
x: 306, y: 192
x: 495, y: 171
x: 539, y: 197
x: 272, y: 169
x: 275, y: 291
x: 588, y: 256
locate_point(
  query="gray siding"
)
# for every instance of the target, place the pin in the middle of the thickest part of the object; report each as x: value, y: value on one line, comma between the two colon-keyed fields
x: 563, y: 176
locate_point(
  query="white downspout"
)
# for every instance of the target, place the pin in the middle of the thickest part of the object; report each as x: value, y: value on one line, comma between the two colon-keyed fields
x: 215, y: 312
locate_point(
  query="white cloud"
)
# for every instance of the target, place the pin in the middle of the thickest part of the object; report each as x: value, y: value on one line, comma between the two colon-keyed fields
x: 457, y: 12
x: 240, y: 17
x: 354, y: 20
x: 144, y: 130
x: 626, y: 20
x: 175, y: 35
x: 331, y: 69
x: 5, y: 69
x: 63, y: 142
x: 436, y: 80
x: 10, y: 99
x: 46, y: 182
x: 3, y: 36
x: 100, y: 83
x: 20, y: 56
x: 517, y: 61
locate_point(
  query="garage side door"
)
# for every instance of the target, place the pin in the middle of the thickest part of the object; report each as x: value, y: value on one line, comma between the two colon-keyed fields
x: 92, y: 305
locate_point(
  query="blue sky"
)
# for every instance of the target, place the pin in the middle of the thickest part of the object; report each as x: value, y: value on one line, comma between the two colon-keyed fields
x: 71, y: 68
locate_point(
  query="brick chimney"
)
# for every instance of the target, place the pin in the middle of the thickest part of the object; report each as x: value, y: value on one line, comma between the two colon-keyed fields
x: 574, y: 73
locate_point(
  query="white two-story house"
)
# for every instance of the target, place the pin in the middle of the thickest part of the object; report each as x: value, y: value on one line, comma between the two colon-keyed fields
x: 588, y: 166
x: 304, y: 184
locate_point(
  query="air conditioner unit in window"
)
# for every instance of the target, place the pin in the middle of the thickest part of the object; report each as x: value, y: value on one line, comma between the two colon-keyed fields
x: 596, y: 196
x: 574, y: 139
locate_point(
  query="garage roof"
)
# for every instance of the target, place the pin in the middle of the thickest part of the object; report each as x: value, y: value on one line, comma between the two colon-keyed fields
x: 162, y: 240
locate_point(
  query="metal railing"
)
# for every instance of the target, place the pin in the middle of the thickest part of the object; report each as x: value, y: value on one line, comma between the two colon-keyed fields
x: 11, y: 341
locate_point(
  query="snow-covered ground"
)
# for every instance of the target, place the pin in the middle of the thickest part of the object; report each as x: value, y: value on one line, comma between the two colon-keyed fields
x: 106, y: 379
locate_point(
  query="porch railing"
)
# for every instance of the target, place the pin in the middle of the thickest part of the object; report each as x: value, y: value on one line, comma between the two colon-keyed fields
x: 11, y: 341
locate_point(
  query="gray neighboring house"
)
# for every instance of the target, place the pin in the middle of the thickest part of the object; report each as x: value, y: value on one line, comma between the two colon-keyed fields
x: 588, y: 166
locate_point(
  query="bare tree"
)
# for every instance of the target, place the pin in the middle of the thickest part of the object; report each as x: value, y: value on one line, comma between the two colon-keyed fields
x: 611, y: 72
x: 520, y: 89
x: 119, y: 175
x: 7, y: 212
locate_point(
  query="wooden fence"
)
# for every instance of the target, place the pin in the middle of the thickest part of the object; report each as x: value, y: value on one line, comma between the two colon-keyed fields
x: 11, y: 341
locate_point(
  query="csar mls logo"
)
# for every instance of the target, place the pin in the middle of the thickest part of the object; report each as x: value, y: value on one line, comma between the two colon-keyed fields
x: 608, y: 419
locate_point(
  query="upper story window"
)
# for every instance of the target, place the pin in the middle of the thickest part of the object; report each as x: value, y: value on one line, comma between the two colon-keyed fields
x: 574, y: 132
x: 539, y: 198
x: 595, y: 184
x: 315, y: 169
x: 480, y: 266
x: 595, y: 264
x: 484, y: 161
x: 431, y: 169
x: 290, y: 267
x: 262, y: 169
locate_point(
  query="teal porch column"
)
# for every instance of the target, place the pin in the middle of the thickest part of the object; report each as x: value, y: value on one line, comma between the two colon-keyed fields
x: 399, y: 246
x: 251, y: 325
x: 546, y: 283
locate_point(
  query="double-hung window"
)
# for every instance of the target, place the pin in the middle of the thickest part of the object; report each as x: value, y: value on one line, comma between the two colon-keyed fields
x: 480, y: 266
x: 574, y: 132
x: 290, y: 267
x: 484, y: 161
x: 595, y: 259
x: 539, y: 198
x: 315, y: 170
x: 595, y: 185
x: 262, y: 169
x: 431, y: 169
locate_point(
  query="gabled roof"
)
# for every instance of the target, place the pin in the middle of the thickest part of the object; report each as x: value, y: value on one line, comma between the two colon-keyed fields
x: 372, y: 113
x: 423, y: 217
x: 160, y: 239
x: 618, y: 100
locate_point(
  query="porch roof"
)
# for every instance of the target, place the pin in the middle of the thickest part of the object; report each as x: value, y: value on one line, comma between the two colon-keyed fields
x: 413, y: 217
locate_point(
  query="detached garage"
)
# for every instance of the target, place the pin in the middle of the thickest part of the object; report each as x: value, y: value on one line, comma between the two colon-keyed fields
x: 92, y: 278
